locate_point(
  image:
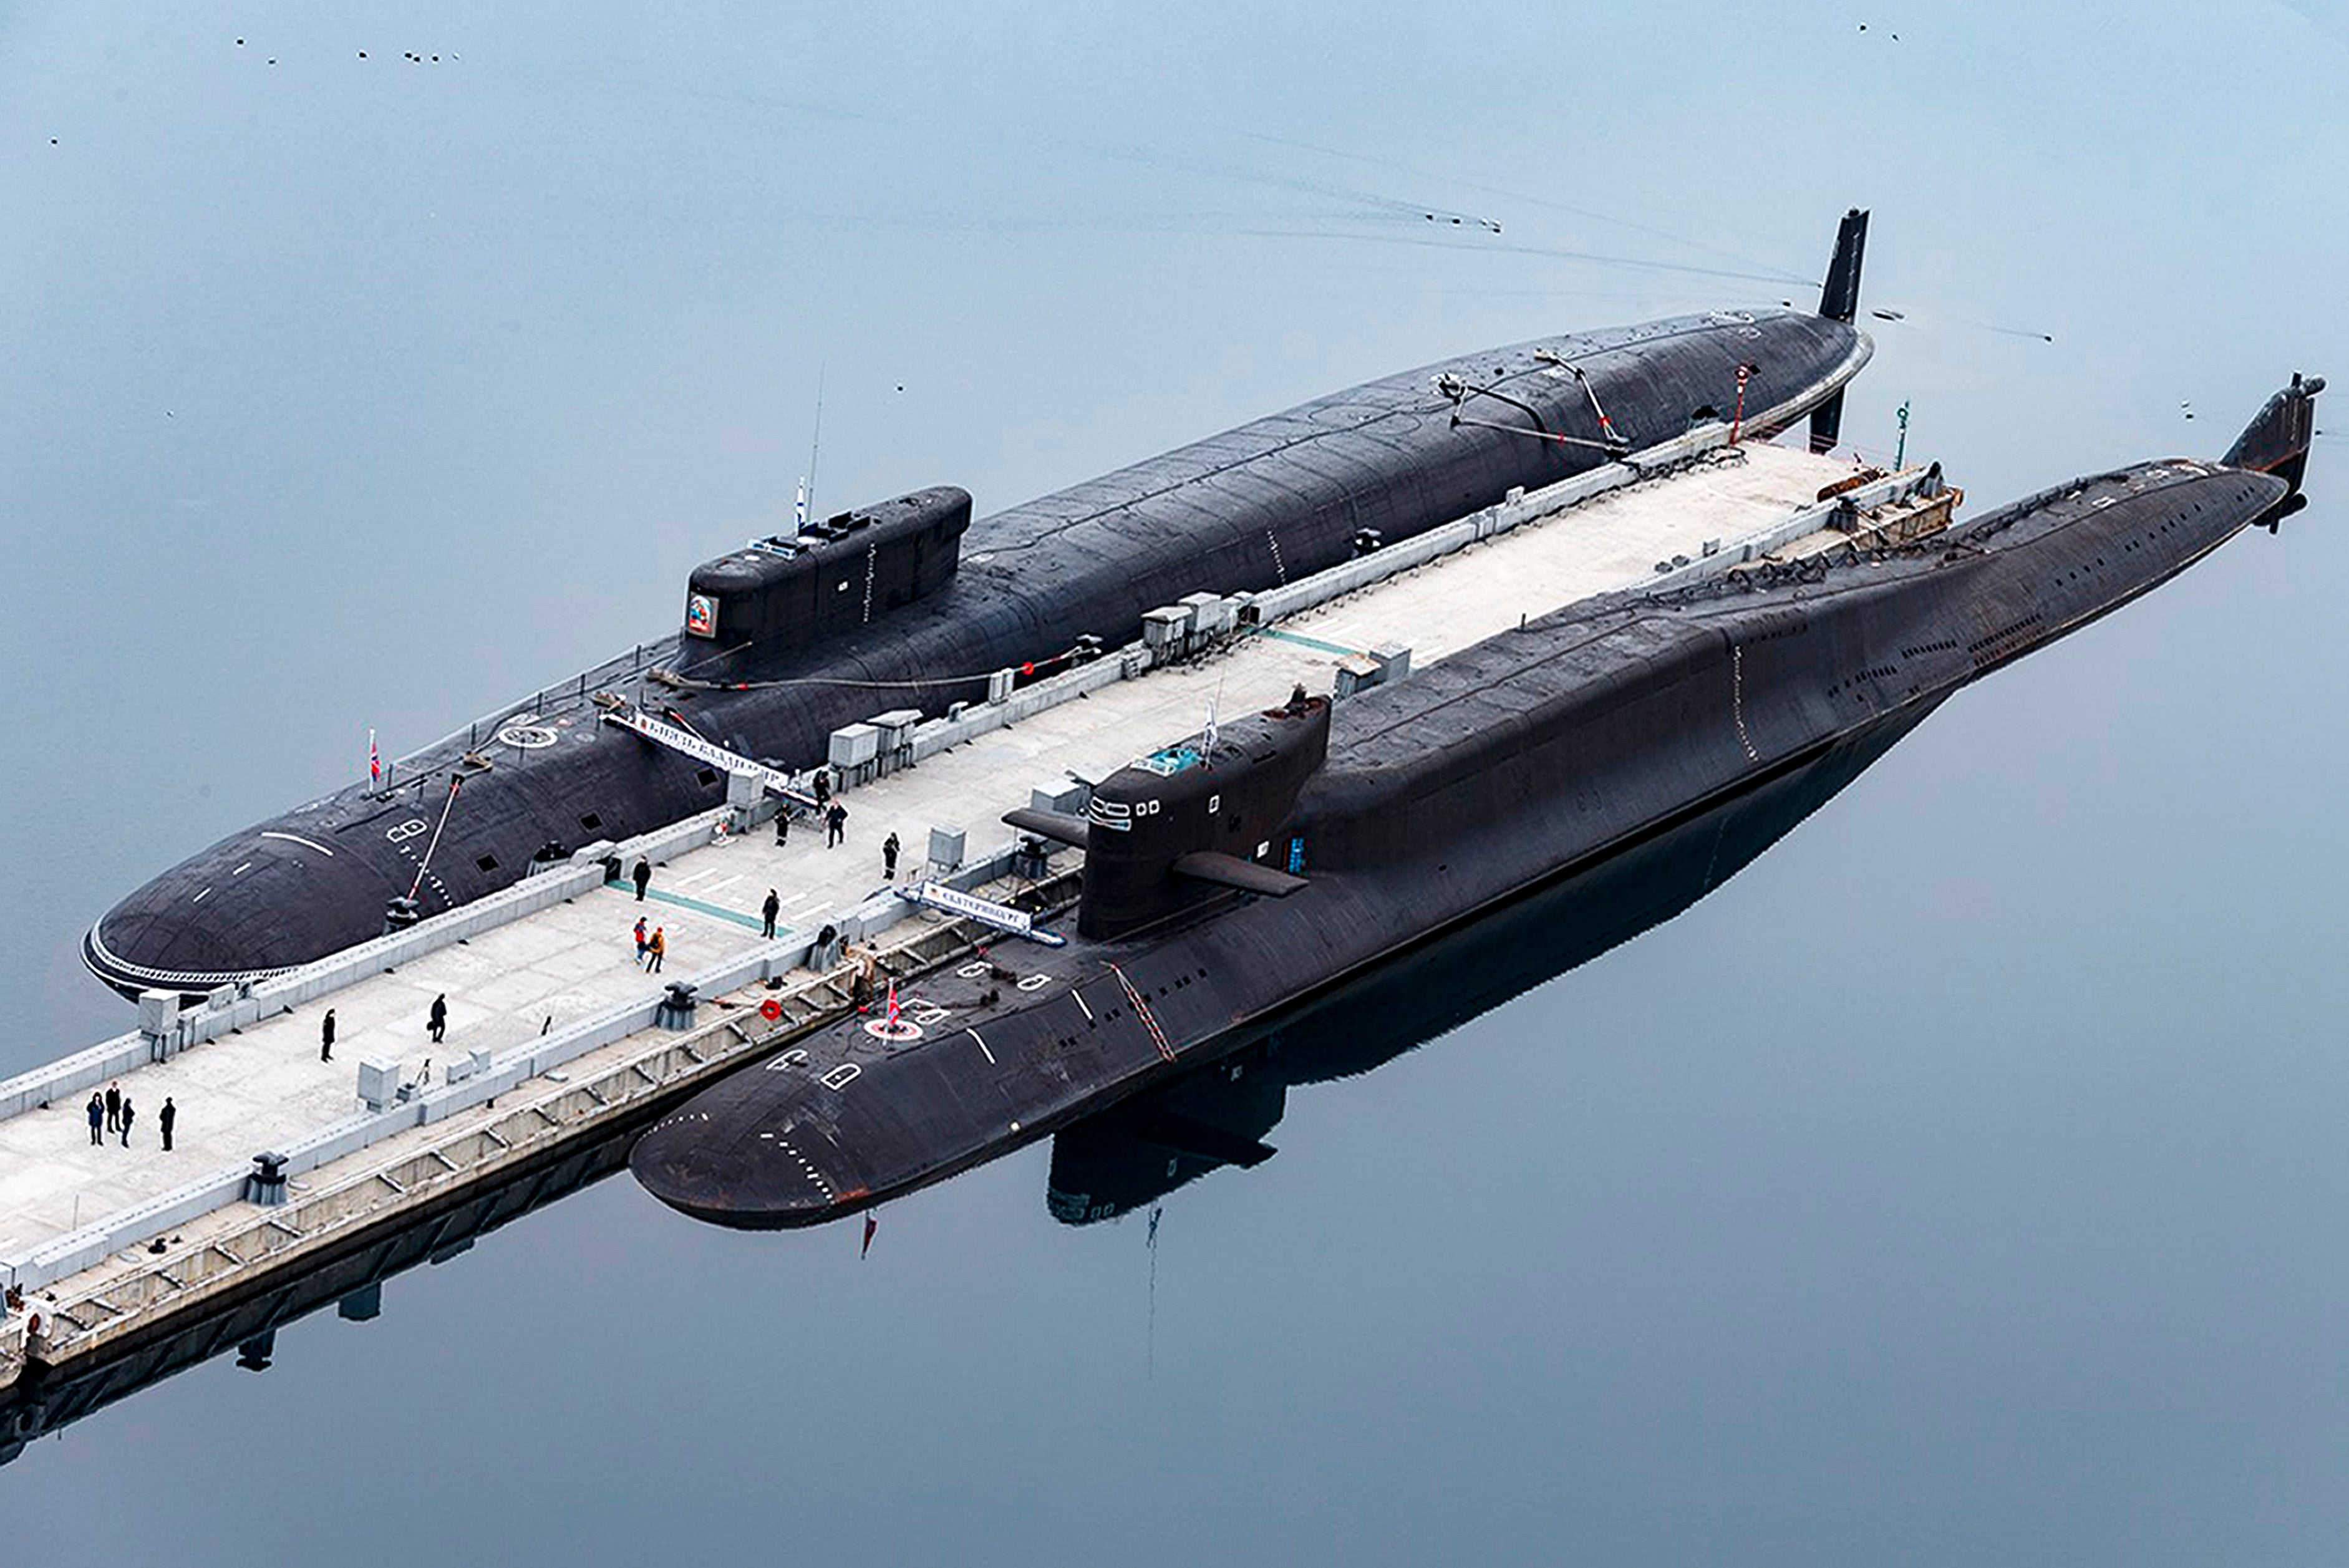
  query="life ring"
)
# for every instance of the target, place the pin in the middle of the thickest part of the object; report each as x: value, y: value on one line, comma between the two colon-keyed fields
x: 771, y: 1009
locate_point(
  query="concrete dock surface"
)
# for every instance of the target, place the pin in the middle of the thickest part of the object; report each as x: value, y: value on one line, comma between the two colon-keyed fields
x: 264, y: 1086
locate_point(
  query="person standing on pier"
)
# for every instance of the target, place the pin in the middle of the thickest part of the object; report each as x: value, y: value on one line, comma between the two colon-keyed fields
x: 782, y: 824
x: 644, y: 877
x: 658, y: 949
x: 771, y: 908
x: 97, y: 1118
x: 835, y: 823
x: 127, y: 1114
x: 643, y: 941
x: 436, y: 1025
x: 164, y: 1119
x: 113, y: 1104
x: 327, y: 1038
x: 889, y: 850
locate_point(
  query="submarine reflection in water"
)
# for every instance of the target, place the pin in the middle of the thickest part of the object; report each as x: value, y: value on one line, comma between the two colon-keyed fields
x: 1146, y: 1148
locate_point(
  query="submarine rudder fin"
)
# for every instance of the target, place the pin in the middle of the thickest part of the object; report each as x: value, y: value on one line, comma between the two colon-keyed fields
x: 1839, y: 301
x: 2277, y: 440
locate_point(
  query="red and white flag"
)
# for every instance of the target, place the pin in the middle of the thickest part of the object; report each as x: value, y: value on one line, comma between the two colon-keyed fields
x: 375, y: 761
x: 893, y: 1001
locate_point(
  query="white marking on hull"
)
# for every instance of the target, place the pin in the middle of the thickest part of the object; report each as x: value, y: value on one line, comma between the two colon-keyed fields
x: 298, y: 838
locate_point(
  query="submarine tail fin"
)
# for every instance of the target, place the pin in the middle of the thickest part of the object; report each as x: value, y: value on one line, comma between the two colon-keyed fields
x: 2277, y: 439
x: 1839, y: 301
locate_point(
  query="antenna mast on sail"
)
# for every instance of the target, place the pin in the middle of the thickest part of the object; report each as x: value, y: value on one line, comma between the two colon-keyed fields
x: 816, y: 447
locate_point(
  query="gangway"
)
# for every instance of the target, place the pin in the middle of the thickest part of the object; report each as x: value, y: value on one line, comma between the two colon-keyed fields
x: 687, y: 744
x: 987, y: 912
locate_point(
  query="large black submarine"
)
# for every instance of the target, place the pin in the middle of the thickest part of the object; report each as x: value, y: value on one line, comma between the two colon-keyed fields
x: 1232, y: 877
x: 910, y: 603
x: 1219, y: 1114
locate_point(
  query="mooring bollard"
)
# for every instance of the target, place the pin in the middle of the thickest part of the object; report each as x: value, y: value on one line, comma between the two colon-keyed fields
x: 266, y: 1184
x: 676, y: 1009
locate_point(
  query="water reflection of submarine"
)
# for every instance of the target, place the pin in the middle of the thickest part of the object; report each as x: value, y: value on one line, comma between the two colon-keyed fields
x: 1220, y: 1115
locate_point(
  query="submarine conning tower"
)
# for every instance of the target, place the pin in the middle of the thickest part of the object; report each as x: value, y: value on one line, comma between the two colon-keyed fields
x: 1170, y: 829
x: 789, y: 590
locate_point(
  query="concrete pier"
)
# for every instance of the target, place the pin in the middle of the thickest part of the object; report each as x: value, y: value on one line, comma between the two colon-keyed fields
x: 556, y: 1035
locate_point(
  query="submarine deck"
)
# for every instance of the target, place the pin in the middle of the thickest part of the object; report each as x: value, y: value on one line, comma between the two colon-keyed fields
x: 76, y: 1220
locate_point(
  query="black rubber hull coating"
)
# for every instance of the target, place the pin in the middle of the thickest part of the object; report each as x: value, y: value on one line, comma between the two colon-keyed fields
x: 1220, y: 1112
x: 1249, y: 510
x: 1490, y: 774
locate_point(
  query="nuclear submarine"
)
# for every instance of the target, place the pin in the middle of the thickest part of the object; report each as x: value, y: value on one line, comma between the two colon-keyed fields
x: 1243, y: 872
x: 1220, y: 1113
x: 911, y: 604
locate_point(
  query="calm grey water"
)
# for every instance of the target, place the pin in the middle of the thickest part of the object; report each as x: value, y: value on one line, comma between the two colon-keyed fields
x: 1960, y: 1184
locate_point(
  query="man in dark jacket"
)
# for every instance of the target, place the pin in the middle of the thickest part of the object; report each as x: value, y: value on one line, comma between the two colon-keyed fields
x: 644, y: 877
x: 113, y: 1106
x: 889, y: 848
x: 327, y: 1038
x: 437, y: 1024
x: 127, y: 1114
x: 835, y: 823
x: 97, y: 1118
x: 771, y: 908
x: 165, y: 1118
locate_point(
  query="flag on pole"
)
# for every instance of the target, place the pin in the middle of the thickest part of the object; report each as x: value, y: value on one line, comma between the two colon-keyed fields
x: 870, y: 1225
x: 375, y: 762
x: 893, y: 1002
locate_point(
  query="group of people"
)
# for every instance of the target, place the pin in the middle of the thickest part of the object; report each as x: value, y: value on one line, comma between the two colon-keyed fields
x: 436, y: 1028
x: 835, y: 828
x: 113, y: 1112
x: 652, y: 944
x: 831, y: 812
x: 833, y: 815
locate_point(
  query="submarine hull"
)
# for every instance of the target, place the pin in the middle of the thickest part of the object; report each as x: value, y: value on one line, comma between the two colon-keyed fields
x: 1502, y: 768
x: 1246, y: 511
x: 1144, y: 1147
